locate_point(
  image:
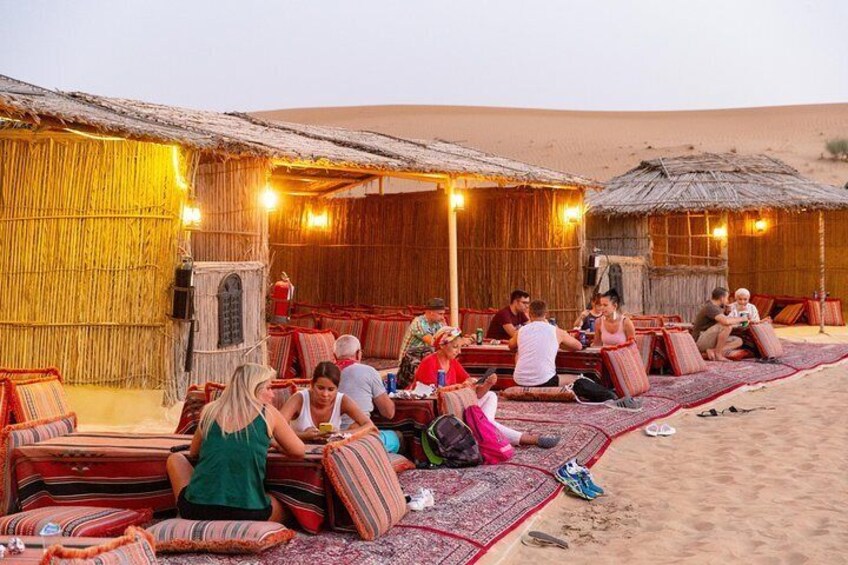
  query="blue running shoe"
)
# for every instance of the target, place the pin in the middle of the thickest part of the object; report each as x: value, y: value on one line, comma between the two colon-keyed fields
x: 573, y: 484
x: 583, y: 475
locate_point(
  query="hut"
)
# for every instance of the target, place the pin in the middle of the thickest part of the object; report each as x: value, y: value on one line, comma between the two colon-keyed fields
x: 117, y: 216
x: 684, y: 225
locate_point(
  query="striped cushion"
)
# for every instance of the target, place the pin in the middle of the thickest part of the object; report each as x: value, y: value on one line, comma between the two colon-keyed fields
x: 281, y: 353
x: 671, y: 318
x: 473, y: 319
x: 283, y: 390
x: 683, y: 353
x: 400, y: 463
x: 303, y: 320
x: 766, y: 340
x: 26, y: 433
x: 5, y: 412
x: 366, y: 483
x: 217, y: 536
x: 342, y: 324
x: 455, y: 399
x: 79, y: 521
x: 192, y: 407
x: 763, y: 304
x: 38, y: 398
x: 832, y: 313
x: 539, y: 393
x: 790, y: 314
x: 626, y: 369
x: 135, y: 547
x: 645, y: 341
x: 312, y: 348
x: 647, y: 321
x: 384, y: 336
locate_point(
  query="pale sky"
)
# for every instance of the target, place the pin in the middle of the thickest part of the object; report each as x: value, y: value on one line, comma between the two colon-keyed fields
x: 580, y: 55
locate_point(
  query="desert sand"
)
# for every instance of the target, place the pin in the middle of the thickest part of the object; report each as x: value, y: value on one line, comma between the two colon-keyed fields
x: 764, y: 487
x: 601, y: 145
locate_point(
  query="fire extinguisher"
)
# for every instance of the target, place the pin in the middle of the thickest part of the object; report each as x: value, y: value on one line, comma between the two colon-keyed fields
x: 282, y: 297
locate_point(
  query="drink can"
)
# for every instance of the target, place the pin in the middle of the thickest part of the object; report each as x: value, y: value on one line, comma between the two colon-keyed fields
x: 745, y: 321
x: 479, y: 336
x: 391, y: 383
x: 441, y: 378
x: 584, y: 341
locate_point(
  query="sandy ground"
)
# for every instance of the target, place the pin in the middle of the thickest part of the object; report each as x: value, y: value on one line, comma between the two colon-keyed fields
x: 764, y: 487
x: 604, y: 144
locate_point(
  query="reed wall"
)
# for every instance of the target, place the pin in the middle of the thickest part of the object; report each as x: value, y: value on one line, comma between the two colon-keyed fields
x: 623, y: 236
x: 88, y: 239
x: 393, y: 249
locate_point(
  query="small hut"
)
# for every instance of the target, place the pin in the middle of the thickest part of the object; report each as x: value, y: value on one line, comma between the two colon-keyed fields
x: 690, y: 223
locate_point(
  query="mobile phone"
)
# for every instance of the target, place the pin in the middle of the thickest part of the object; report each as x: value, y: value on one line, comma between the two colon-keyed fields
x: 178, y: 448
x: 489, y: 372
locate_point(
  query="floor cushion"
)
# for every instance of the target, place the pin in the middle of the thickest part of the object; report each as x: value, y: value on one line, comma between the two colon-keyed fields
x: 281, y: 350
x: 312, y: 348
x: 135, y: 547
x: 766, y: 340
x: 539, y: 393
x: 193, y: 405
x: 366, y: 483
x: 384, y: 336
x: 763, y: 303
x: 832, y: 312
x: 647, y: 321
x: 470, y: 320
x: 645, y: 341
x: 790, y: 314
x: 343, y: 324
x: 400, y: 463
x: 671, y: 318
x: 455, y: 399
x: 26, y: 433
x: 38, y: 398
x: 626, y: 369
x: 177, y: 535
x: 683, y: 353
x: 75, y: 521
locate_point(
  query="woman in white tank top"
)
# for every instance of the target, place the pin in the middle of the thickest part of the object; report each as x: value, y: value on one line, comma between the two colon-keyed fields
x: 322, y: 403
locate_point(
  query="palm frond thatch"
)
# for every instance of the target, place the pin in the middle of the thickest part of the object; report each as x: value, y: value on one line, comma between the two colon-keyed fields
x: 712, y: 182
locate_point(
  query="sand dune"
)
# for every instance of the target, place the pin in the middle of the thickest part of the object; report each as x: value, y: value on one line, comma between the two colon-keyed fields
x: 604, y: 144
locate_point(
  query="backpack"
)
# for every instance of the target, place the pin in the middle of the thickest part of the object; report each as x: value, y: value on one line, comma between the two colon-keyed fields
x: 494, y: 447
x: 409, y: 364
x: 588, y: 390
x: 449, y: 442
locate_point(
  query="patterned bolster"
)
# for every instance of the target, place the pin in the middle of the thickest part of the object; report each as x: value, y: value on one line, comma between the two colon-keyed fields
x: 314, y: 348
x: 790, y: 314
x: 645, y: 342
x: 343, y: 324
x: 626, y: 369
x: 217, y: 536
x: 384, y: 336
x: 683, y: 353
x: 26, y: 433
x: 4, y: 401
x: 366, y: 483
x: 75, y: 521
x: 281, y: 353
x: 455, y: 399
x: 135, y: 547
x: 473, y: 319
x: 539, y: 393
x: 766, y: 340
x: 38, y: 398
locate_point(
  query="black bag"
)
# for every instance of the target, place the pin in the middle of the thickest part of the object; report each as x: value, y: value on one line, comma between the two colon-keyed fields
x: 588, y: 390
x: 448, y: 441
x: 409, y: 364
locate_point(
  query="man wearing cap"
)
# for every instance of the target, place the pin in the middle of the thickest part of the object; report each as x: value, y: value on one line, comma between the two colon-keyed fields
x: 422, y: 329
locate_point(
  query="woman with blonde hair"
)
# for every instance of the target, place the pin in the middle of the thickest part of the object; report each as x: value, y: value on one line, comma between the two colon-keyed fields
x: 231, y: 447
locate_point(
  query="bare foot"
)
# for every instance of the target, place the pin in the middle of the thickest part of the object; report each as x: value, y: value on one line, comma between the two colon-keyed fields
x: 711, y: 354
x: 720, y: 357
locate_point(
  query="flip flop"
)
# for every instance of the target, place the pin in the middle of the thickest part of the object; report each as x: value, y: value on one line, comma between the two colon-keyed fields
x: 737, y: 411
x: 653, y: 430
x: 711, y: 413
x: 541, y: 539
x: 666, y: 430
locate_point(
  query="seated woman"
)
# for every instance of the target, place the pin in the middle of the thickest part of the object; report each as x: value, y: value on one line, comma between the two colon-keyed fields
x: 743, y: 307
x: 448, y: 344
x: 231, y: 444
x: 614, y: 328
x: 322, y: 403
x: 588, y: 319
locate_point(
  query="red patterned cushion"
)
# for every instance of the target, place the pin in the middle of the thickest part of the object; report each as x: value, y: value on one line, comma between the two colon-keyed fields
x: 75, y: 521
x: 195, y: 400
x: 790, y: 314
x: 647, y: 321
x: 303, y: 320
x: 26, y: 433
x: 473, y: 319
x: 832, y: 312
x: 5, y: 409
x: 671, y: 319
x: 539, y: 393
x: 38, y: 398
x: 766, y: 340
x: 683, y: 353
x: 217, y: 536
x: 365, y: 481
x: 312, y: 348
x: 645, y: 341
x: 384, y: 336
x: 455, y: 399
x: 342, y: 324
x: 626, y: 369
x: 763, y: 303
x: 135, y: 547
x: 400, y: 463
x: 281, y: 353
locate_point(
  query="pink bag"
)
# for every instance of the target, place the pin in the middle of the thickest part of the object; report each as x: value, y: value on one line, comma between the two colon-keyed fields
x: 494, y: 447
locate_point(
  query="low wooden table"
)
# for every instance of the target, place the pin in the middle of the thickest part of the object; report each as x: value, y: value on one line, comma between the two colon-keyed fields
x: 412, y: 416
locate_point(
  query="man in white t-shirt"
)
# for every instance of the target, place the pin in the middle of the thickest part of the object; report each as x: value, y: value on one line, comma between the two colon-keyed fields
x: 538, y: 342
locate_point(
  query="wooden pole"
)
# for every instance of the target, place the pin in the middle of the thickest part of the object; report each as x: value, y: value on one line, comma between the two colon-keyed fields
x: 822, y: 294
x: 450, y: 184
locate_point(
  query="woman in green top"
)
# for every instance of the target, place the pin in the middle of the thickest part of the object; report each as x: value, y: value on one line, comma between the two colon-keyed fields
x: 231, y: 444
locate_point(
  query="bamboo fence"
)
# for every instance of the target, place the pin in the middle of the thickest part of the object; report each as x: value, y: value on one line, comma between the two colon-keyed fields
x: 88, y: 239
x: 393, y: 249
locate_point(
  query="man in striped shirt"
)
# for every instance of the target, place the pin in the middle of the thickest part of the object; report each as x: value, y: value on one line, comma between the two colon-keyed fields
x: 422, y: 329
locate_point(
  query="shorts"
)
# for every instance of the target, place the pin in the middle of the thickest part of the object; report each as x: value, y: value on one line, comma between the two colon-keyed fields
x: 191, y: 511
x: 553, y: 381
x: 390, y: 441
x: 708, y: 338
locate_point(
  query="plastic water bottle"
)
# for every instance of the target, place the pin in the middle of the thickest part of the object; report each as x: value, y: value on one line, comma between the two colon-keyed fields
x: 391, y: 383
x: 441, y: 378
x: 50, y: 535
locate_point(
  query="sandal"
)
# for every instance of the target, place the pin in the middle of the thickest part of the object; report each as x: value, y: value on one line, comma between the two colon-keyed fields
x: 711, y: 413
x: 541, y: 539
x: 660, y: 430
x: 735, y: 410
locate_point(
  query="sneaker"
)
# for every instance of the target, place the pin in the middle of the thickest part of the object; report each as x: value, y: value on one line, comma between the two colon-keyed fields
x: 428, y: 497
x: 573, y: 484
x: 585, y: 477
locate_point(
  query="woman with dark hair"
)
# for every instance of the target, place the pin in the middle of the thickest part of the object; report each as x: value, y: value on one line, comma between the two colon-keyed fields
x: 614, y: 328
x: 322, y: 403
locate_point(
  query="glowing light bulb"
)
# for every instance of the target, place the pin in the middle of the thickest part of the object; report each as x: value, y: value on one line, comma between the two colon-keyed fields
x: 720, y: 232
x: 761, y: 225
x: 269, y: 198
x: 458, y: 201
x: 571, y: 215
x: 318, y: 221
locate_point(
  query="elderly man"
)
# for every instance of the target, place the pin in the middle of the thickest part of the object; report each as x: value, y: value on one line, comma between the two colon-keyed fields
x: 506, y: 322
x: 422, y: 329
x: 712, y: 327
x: 362, y: 383
x: 538, y: 343
x: 743, y: 307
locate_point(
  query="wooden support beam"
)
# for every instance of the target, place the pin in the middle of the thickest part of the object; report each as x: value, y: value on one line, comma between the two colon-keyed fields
x: 450, y: 185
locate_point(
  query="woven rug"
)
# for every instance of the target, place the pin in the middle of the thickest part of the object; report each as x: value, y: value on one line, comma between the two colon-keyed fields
x: 804, y: 356
x: 584, y: 443
x: 692, y: 390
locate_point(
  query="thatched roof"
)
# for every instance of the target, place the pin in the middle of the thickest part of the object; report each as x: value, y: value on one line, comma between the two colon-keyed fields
x: 708, y: 181
x: 294, y: 145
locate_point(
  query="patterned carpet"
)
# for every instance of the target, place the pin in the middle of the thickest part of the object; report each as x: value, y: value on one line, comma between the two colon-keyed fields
x: 475, y: 507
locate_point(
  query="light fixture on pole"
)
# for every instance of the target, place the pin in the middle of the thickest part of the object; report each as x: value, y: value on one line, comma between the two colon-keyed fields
x: 269, y: 198
x: 458, y: 201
